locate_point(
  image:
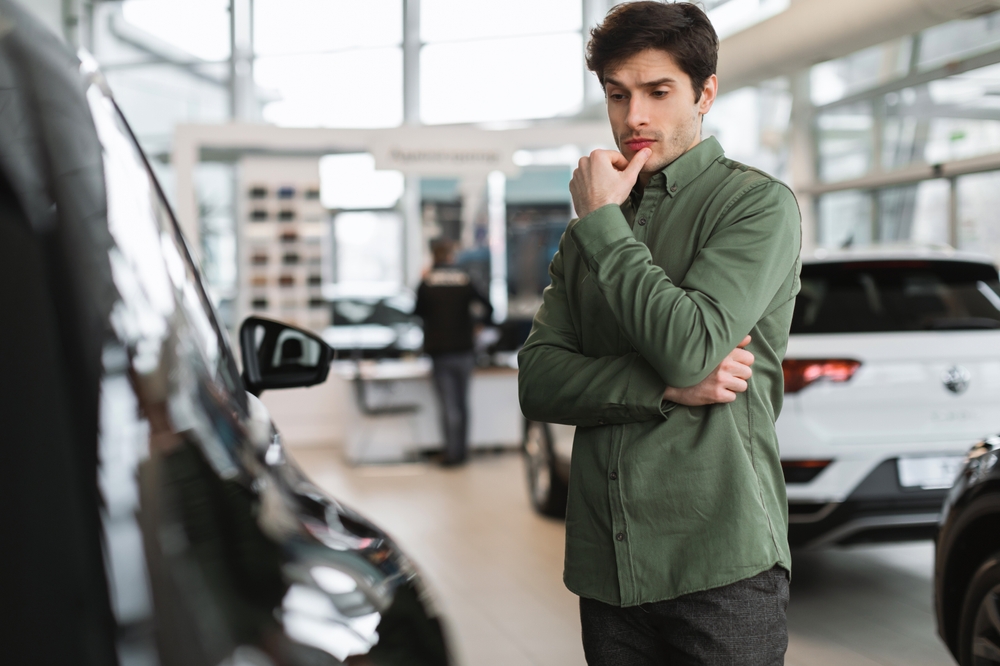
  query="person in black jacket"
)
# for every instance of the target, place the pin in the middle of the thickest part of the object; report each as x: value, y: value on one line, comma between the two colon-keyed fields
x: 444, y: 301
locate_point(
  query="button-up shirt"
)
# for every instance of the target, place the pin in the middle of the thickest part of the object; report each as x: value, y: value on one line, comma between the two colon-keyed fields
x: 666, y: 499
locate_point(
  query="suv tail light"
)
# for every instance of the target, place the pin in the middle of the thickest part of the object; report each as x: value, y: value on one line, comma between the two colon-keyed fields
x: 800, y: 373
x: 802, y: 471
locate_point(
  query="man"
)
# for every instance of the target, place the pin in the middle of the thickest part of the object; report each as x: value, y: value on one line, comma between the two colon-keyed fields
x: 444, y: 301
x: 676, y: 520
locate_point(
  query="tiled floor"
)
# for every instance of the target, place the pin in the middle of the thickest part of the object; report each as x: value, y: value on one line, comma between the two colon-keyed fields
x: 495, y: 568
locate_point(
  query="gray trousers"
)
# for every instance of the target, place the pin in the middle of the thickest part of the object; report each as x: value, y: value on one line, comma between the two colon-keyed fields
x: 452, y: 373
x: 742, y: 624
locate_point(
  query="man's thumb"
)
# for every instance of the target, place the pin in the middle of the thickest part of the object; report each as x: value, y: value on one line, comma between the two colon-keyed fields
x: 638, y: 161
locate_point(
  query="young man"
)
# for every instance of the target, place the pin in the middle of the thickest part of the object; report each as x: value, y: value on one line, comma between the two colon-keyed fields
x: 676, y: 523
x: 444, y: 301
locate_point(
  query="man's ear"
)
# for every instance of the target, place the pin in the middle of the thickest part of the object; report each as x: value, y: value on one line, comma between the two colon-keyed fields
x: 708, y: 94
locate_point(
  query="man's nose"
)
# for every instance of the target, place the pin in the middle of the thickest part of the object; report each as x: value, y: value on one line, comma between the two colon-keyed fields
x: 637, y: 113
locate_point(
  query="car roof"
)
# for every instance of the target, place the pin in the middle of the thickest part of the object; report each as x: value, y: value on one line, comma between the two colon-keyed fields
x: 895, y: 253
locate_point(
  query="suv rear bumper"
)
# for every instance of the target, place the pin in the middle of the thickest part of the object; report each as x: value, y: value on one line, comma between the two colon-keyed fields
x: 878, y: 510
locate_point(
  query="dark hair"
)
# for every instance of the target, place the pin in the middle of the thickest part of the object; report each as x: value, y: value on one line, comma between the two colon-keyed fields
x: 442, y: 249
x: 679, y: 28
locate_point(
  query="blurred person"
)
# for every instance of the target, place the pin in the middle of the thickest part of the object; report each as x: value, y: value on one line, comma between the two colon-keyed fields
x: 445, y: 300
x: 679, y: 274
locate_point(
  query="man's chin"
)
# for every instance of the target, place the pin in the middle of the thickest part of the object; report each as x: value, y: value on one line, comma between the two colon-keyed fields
x: 655, y: 164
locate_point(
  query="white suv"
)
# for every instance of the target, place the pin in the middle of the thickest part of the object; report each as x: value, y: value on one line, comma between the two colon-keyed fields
x: 892, y: 371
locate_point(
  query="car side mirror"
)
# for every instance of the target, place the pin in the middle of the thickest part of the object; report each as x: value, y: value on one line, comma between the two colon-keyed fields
x: 277, y: 355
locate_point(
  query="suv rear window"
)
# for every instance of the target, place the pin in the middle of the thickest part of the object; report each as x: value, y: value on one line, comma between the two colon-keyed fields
x: 917, y: 295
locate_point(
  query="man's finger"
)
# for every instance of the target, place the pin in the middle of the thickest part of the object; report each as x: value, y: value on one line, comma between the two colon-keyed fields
x: 745, y: 342
x: 734, y: 384
x: 741, y: 371
x: 725, y: 396
x: 742, y: 356
x: 638, y: 161
x: 618, y: 161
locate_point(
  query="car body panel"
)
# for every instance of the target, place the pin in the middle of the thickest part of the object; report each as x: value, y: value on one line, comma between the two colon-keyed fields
x: 217, y: 548
x: 898, y: 395
x: 969, y: 533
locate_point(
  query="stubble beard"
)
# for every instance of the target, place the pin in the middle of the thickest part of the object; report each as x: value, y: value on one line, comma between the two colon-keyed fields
x: 673, y: 146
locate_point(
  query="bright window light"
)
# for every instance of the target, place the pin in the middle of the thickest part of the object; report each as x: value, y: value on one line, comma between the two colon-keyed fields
x: 350, y: 182
x: 369, y: 252
x: 732, y: 16
x: 501, y: 79
x: 462, y: 20
x: 361, y: 88
x: 304, y: 26
x: 199, y: 27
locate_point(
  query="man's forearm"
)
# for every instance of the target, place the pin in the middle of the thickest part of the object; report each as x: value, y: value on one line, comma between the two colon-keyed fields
x: 557, y: 385
x: 685, y: 330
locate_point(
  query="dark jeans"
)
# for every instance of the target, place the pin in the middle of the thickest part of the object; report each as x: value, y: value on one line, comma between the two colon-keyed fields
x: 742, y: 624
x: 451, y: 379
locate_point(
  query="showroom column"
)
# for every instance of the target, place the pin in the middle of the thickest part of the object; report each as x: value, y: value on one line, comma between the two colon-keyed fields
x: 413, y: 238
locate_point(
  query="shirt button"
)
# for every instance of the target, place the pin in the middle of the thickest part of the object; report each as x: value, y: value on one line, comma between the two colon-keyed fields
x: 614, y: 476
x: 673, y: 188
x: 642, y: 221
x: 620, y: 536
x: 601, y: 421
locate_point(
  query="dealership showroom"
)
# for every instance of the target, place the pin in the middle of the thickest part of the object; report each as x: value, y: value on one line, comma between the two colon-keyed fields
x: 533, y: 332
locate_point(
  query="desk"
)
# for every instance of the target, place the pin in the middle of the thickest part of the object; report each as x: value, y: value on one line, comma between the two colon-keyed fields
x: 394, y: 414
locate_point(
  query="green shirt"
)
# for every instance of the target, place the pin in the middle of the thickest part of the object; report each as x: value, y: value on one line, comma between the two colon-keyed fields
x: 666, y: 499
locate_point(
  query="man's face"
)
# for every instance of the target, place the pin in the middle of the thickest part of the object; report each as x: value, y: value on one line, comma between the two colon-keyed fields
x: 651, y: 103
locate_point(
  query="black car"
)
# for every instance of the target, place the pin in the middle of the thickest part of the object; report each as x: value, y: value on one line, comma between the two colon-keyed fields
x: 967, y: 560
x: 150, y: 515
x: 374, y: 326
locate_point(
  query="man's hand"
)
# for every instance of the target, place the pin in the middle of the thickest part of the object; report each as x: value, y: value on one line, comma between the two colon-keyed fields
x: 603, y: 178
x: 722, y: 385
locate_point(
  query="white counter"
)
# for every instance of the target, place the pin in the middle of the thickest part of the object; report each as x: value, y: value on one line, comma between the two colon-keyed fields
x: 399, y: 417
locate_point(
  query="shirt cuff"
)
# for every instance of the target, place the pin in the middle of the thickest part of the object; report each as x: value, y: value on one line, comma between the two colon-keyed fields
x: 644, y: 395
x: 599, y: 229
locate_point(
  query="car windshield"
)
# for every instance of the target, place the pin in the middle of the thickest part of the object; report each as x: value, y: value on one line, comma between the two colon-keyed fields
x: 910, y: 295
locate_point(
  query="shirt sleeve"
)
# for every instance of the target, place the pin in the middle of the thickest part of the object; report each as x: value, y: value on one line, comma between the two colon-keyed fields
x: 685, y: 330
x: 558, y: 384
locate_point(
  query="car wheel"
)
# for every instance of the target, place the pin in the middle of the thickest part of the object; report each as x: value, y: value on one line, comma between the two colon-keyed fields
x: 546, y: 488
x: 979, y: 628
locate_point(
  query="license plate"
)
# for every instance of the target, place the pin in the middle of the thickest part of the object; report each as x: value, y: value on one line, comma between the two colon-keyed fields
x: 929, y: 473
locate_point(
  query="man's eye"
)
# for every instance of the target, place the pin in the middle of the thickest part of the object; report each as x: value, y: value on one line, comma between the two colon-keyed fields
x: 617, y: 96
x: 659, y: 93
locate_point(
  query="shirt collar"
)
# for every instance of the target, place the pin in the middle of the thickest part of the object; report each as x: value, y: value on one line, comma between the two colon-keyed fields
x: 688, y: 166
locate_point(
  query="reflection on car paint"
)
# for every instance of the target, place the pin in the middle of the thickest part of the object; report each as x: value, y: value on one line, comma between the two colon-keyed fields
x: 248, y: 562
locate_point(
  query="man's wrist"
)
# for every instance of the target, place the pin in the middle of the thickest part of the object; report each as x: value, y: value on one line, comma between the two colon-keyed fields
x: 591, y: 207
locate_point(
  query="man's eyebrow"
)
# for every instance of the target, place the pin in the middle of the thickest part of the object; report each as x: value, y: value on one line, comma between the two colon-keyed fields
x: 647, y: 84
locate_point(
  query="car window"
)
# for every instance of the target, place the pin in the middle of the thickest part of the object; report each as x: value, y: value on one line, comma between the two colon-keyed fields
x: 166, y: 314
x: 877, y: 296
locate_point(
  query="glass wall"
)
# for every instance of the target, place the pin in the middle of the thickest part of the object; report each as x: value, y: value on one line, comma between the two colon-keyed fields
x: 330, y: 64
x: 953, y: 116
x: 977, y: 206
x: 928, y: 99
x: 484, y: 62
x: 845, y: 219
x: 752, y: 125
x: 915, y: 213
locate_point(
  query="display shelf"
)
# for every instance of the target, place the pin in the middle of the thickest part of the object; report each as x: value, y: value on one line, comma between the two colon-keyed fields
x: 283, y: 235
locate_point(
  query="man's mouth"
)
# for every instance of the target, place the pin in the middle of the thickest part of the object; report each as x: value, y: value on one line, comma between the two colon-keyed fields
x: 636, y: 145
